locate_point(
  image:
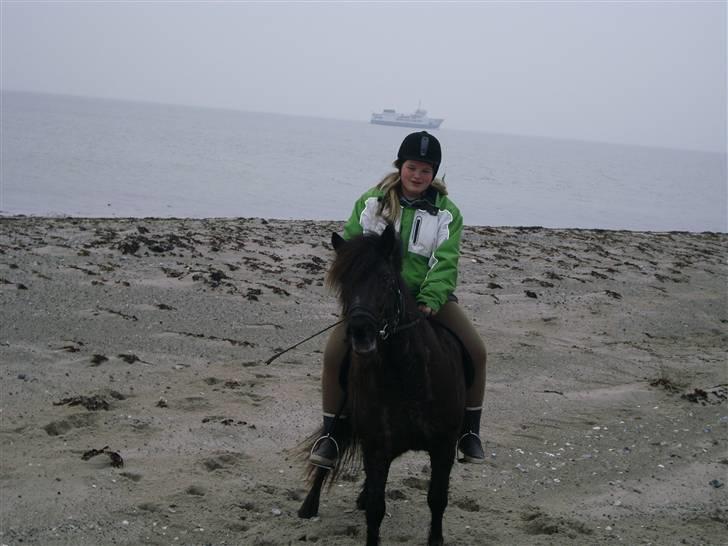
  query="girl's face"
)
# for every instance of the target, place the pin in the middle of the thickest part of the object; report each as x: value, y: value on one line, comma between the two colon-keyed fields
x: 416, y: 178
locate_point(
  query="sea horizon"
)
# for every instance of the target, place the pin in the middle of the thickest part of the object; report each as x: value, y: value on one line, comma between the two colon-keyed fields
x: 96, y: 157
x: 358, y: 120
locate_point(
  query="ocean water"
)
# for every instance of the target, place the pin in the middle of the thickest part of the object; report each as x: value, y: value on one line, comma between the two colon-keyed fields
x: 76, y: 156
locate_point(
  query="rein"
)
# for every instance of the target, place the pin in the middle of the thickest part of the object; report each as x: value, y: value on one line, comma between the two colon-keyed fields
x: 386, y: 328
x: 284, y: 351
x: 385, y: 332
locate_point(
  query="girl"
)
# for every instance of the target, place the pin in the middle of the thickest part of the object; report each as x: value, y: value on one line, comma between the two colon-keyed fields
x: 429, y: 225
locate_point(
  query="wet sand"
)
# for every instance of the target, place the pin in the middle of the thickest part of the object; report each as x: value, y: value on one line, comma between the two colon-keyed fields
x: 605, y: 421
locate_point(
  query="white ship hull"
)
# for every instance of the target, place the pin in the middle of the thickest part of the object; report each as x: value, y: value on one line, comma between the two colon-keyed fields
x: 418, y: 120
x: 429, y: 124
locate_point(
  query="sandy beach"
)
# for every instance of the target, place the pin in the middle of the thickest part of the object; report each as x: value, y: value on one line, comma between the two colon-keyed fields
x: 136, y: 406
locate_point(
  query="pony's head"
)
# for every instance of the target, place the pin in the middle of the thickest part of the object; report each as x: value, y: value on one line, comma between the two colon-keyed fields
x: 366, y: 275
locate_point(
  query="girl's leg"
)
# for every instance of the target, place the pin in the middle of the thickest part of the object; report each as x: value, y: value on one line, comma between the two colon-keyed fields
x: 326, y: 449
x: 452, y: 316
x: 335, y: 352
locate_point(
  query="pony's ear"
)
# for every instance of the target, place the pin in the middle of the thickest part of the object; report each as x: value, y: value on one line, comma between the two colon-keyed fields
x: 387, y: 240
x: 337, y: 240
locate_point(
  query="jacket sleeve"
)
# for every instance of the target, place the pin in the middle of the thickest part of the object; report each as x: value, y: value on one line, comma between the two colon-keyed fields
x: 442, y: 276
x: 365, y: 217
x: 353, y: 227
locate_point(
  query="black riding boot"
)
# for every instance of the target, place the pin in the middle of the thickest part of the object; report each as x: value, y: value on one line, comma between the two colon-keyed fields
x: 325, y: 450
x: 469, y: 443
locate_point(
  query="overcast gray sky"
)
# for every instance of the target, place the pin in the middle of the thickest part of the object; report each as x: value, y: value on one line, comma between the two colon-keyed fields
x: 632, y: 72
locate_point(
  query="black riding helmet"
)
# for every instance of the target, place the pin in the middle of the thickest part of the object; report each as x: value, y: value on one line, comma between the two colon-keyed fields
x: 420, y: 146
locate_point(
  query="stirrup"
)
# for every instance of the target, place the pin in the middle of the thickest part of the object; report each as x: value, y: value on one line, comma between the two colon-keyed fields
x: 469, y: 458
x: 319, y: 460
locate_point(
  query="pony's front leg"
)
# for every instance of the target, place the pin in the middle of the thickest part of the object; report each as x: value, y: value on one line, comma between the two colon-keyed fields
x: 441, y: 461
x: 376, y: 468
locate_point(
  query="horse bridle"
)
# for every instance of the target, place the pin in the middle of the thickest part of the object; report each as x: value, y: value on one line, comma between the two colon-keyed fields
x: 386, y: 327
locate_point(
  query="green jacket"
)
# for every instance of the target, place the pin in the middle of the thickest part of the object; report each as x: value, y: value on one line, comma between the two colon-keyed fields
x: 430, y: 231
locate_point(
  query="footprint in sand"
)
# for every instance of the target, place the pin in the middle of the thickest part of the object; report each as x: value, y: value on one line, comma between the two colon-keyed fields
x: 539, y: 523
x: 346, y: 531
x: 396, y: 494
x: 150, y: 507
x: 196, y: 491
x: 133, y: 476
x: 242, y: 388
x: 417, y: 483
x: 62, y: 426
x: 192, y: 403
x: 224, y: 461
x: 468, y: 504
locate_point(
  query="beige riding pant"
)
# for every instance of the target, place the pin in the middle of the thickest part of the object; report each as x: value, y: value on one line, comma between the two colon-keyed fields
x: 450, y: 314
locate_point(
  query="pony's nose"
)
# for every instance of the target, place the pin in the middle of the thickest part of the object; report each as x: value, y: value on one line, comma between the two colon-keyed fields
x: 363, y: 335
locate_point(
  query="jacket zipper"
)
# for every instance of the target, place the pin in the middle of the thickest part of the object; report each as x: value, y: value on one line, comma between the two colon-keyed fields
x: 416, y: 233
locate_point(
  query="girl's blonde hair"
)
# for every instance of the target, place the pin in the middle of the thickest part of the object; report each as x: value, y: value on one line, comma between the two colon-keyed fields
x: 391, y: 185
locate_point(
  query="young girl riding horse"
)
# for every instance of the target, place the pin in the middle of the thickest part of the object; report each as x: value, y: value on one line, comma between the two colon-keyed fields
x: 429, y: 226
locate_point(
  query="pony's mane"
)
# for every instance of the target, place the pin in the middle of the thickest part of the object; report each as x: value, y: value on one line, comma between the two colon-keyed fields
x: 358, y: 259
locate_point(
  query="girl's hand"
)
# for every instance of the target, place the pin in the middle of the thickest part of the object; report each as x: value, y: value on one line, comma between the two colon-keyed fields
x: 425, y: 310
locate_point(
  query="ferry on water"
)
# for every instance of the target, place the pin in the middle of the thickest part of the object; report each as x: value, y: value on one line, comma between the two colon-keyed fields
x: 418, y: 119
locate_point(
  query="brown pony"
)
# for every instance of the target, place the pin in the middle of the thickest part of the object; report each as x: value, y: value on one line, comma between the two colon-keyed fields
x: 406, y: 381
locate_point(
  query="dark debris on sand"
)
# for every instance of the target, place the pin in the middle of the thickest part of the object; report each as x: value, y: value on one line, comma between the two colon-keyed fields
x: 116, y: 460
x: 91, y: 403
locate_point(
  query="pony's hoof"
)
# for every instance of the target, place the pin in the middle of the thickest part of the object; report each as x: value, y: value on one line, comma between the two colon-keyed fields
x: 309, y: 508
x: 306, y: 512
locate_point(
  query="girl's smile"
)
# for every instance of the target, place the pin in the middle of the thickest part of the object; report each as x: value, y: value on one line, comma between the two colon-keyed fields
x: 416, y: 178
